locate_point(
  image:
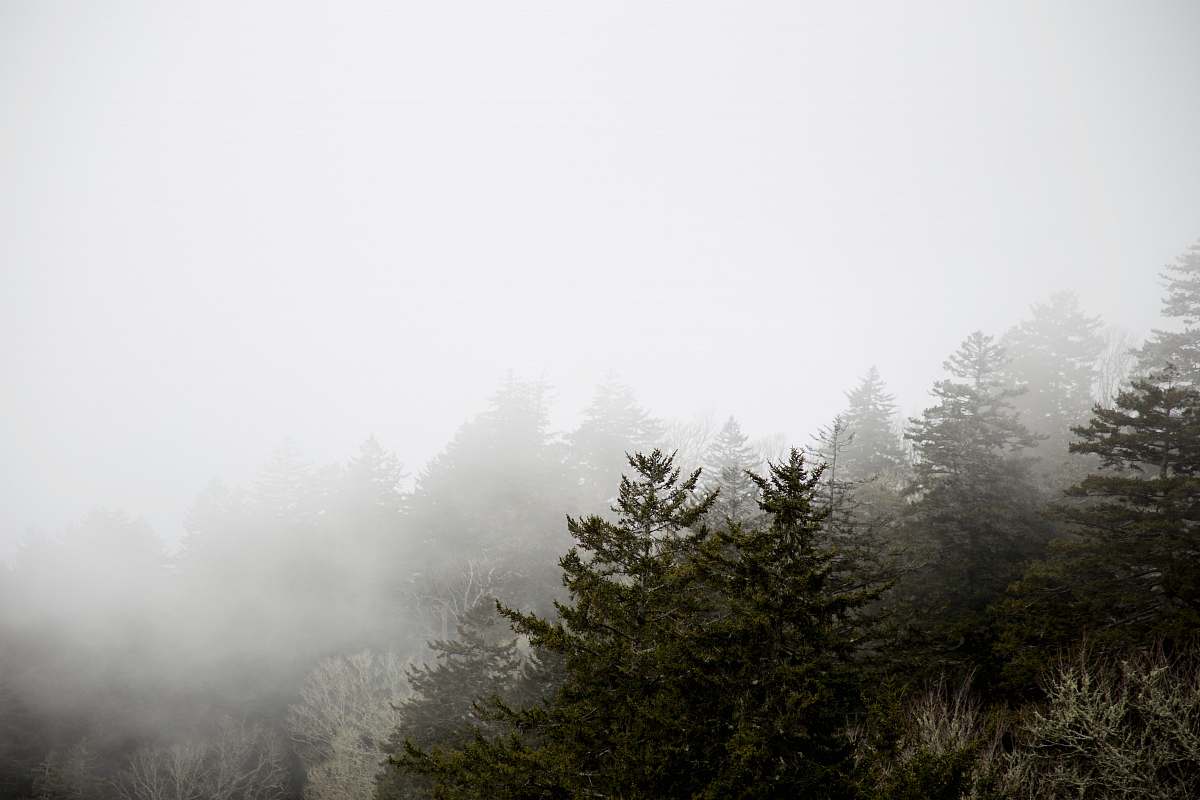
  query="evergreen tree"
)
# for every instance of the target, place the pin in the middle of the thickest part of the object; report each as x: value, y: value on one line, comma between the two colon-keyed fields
x: 1130, y: 573
x: 835, y: 492
x: 614, y: 726
x: 856, y: 511
x: 443, y: 710
x: 728, y: 460
x: 873, y: 447
x: 1182, y: 302
x: 495, y: 495
x: 614, y: 425
x: 773, y: 666
x: 696, y: 664
x: 1053, y: 361
x: 973, y: 507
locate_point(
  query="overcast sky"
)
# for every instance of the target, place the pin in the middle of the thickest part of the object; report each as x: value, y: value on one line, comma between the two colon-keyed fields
x: 224, y: 224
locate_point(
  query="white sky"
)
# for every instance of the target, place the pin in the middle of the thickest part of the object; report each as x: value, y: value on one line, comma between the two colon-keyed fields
x: 222, y: 224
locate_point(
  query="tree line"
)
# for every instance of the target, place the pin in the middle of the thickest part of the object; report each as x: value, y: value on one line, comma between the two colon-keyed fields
x: 996, y: 598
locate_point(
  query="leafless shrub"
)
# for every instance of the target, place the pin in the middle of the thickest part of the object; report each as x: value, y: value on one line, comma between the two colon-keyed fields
x: 1114, y: 729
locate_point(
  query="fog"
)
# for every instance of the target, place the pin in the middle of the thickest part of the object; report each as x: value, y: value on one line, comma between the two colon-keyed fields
x: 228, y: 225
x: 235, y: 235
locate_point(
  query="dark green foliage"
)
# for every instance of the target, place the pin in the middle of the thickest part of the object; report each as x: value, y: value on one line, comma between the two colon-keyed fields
x: 481, y: 663
x: 775, y: 661
x: 696, y: 664
x: 612, y: 726
x: 974, y: 506
x: 1129, y: 573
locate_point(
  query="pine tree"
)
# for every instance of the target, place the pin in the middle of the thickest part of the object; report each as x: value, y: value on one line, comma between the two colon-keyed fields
x: 1053, y: 361
x: 495, y: 494
x: 696, y: 664
x: 1130, y: 573
x: 1182, y: 302
x: 482, y: 662
x: 728, y: 460
x: 855, y: 511
x: 614, y: 425
x: 774, y: 662
x: 875, y: 447
x: 613, y: 727
x: 973, y: 506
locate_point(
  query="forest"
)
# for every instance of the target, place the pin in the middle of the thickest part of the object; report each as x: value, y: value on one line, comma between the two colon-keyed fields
x: 995, y: 598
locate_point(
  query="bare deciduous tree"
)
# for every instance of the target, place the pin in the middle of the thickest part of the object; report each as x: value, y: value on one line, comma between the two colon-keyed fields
x: 443, y: 598
x: 1117, y: 361
x: 240, y: 762
x: 690, y: 440
x: 346, y: 713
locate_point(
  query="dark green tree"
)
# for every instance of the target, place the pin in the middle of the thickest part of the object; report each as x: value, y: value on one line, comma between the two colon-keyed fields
x: 774, y: 665
x: 696, y: 664
x: 973, y: 509
x: 1182, y: 302
x: 1130, y: 572
x: 614, y: 726
x: 444, y: 709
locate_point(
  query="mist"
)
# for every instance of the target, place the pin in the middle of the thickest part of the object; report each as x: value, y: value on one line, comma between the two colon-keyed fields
x: 318, y: 321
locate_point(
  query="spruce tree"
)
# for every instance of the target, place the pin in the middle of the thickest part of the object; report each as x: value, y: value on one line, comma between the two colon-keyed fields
x: 614, y: 726
x: 973, y: 507
x: 1129, y: 574
x: 695, y: 664
x: 728, y: 461
x: 1053, y: 362
x: 874, y: 448
x: 1182, y: 302
x: 856, y: 512
x: 773, y: 666
x: 496, y: 493
x: 613, y: 426
x: 444, y: 709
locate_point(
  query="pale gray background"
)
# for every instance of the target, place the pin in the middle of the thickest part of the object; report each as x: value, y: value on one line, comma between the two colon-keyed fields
x: 223, y: 224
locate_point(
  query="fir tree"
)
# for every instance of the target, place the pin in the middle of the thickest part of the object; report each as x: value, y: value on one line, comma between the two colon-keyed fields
x: 874, y: 448
x: 613, y: 727
x: 696, y: 664
x: 729, y: 459
x: 774, y: 663
x: 1182, y: 302
x: 444, y: 708
x: 1130, y: 572
x: 973, y: 507
x: 856, y: 511
x: 496, y: 492
x: 614, y: 425
x: 1053, y: 361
